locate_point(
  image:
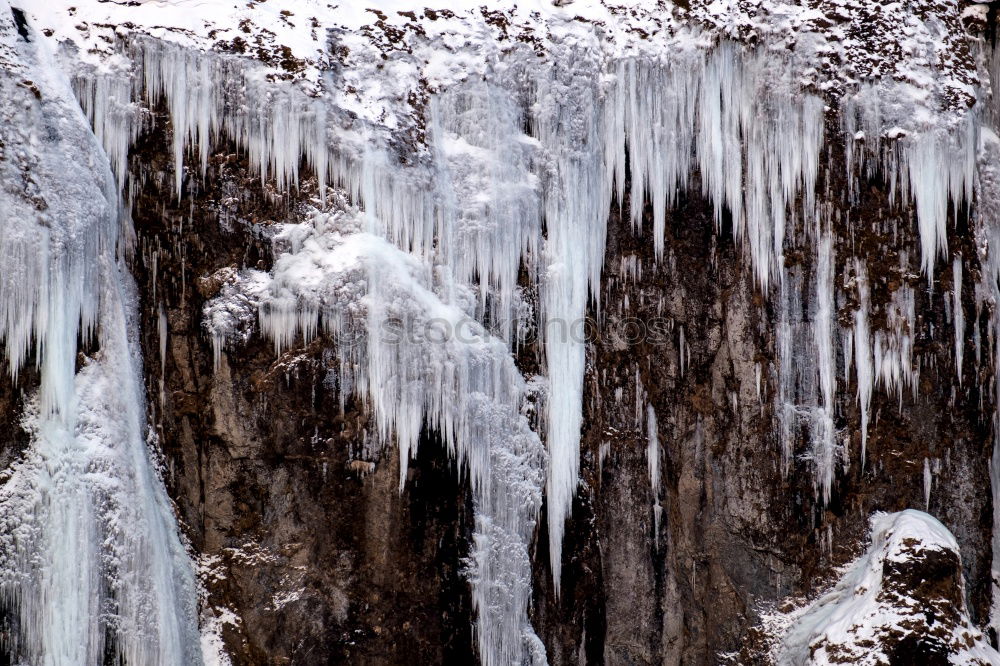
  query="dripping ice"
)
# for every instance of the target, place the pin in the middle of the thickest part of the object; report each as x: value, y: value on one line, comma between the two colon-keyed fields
x: 91, y: 561
x: 487, y: 199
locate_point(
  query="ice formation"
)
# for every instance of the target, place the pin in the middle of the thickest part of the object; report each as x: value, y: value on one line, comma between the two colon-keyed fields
x: 929, y: 162
x: 513, y: 168
x: 653, y: 463
x: 91, y: 562
x: 418, y: 359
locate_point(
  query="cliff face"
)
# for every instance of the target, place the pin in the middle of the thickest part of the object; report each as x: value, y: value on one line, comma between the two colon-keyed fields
x: 585, y: 334
x: 737, y: 535
x: 306, y: 539
x: 308, y: 551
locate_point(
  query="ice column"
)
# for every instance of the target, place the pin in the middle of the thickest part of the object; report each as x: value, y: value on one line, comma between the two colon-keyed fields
x: 90, y: 558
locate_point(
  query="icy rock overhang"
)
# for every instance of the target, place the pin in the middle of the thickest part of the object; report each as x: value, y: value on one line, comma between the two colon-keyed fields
x: 902, y: 602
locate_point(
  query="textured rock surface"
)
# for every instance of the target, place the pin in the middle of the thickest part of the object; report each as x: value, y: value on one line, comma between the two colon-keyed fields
x: 318, y: 555
x: 734, y: 531
x: 302, y: 535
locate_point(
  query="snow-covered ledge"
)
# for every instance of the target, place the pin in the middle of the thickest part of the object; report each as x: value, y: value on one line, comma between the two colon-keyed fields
x: 902, y: 602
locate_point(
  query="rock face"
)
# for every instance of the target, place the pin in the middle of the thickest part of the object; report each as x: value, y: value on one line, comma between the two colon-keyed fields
x: 306, y: 545
x: 734, y: 529
x: 285, y: 503
x: 785, y: 278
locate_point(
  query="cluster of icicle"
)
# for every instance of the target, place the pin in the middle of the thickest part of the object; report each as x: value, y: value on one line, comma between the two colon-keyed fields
x: 91, y: 562
x: 487, y: 200
x: 409, y: 347
x: 930, y: 164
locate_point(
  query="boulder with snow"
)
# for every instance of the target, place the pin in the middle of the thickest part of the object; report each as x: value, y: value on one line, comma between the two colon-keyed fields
x: 902, y: 602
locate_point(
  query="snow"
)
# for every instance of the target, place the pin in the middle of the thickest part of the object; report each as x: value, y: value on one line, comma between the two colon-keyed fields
x: 213, y: 649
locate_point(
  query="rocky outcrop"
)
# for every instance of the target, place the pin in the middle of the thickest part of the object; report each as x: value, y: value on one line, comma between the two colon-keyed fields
x: 902, y: 602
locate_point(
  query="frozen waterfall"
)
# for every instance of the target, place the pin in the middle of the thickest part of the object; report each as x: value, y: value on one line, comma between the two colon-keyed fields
x: 91, y: 562
x: 494, y: 218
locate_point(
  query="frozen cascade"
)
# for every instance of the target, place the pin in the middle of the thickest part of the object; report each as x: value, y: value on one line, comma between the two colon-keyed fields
x: 416, y: 359
x: 892, y: 347
x: 89, y: 549
x: 884, y: 358
x: 787, y: 333
x: 490, y: 194
x: 471, y: 207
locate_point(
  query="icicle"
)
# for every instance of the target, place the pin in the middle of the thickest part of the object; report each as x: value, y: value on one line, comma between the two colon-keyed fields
x: 823, y: 438
x: 931, y: 164
x: 653, y: 462
x: 863, y: 354
x: 680, y: 349
x: 571, y: 124
x: 785, y: 394
x: 161, y: 327
x: 927, y: 484
x: 958, y: 315
x: 757, y: 373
